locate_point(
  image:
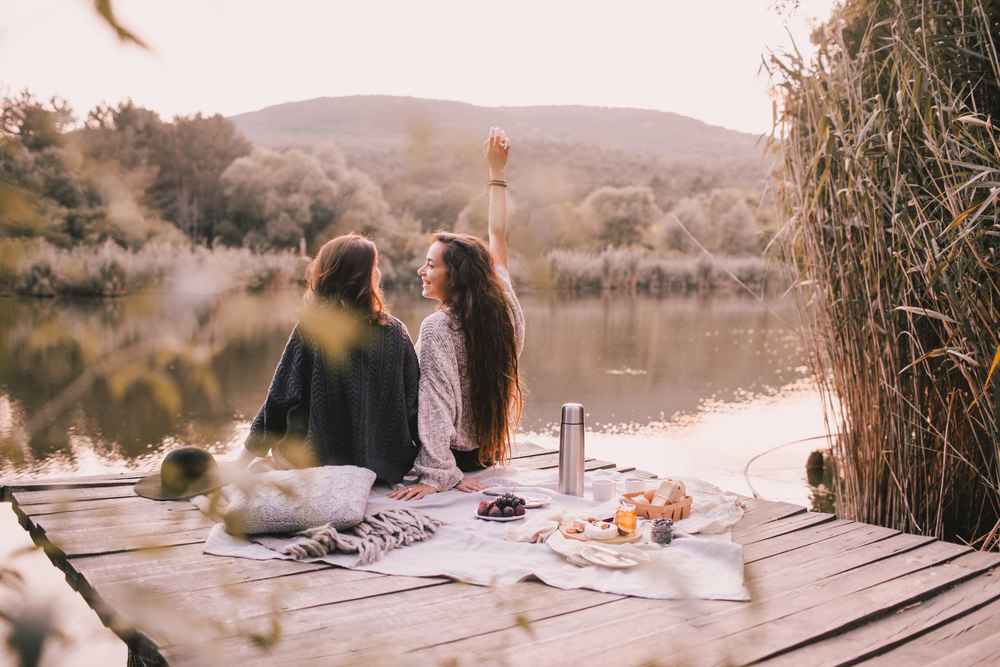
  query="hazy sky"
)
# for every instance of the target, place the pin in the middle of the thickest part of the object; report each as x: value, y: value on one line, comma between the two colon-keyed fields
x: 698, y: 59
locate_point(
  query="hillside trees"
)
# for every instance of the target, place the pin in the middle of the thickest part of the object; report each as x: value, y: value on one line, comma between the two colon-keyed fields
x: 274, y: 199
x: 187, y: 158
x: 621, y: 217
x: 721, y: 221
x: 56, y: 189
x: 119, y: 177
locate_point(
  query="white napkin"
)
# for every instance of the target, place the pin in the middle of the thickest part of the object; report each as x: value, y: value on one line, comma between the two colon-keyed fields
x: 537, y: 529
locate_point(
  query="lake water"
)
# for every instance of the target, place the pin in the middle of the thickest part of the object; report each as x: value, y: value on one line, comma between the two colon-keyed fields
x: 677, y: 384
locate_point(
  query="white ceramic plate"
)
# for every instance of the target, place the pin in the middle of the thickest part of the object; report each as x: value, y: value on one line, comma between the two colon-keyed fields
x: 501, y: 518
x: 630, y: 557
x: 531, y: 500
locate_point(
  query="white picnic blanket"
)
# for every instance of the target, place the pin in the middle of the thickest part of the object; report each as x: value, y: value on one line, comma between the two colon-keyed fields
x: 468, y: 549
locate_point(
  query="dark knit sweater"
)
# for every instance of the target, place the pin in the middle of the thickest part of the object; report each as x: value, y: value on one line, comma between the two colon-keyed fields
x: 357, y: 409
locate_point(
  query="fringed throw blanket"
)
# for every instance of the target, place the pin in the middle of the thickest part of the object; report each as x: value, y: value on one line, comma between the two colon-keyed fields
x: 382, y: 530
x: 375, y: 536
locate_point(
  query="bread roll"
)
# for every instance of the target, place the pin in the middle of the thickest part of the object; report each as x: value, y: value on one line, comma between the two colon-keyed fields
x: 670, y: 492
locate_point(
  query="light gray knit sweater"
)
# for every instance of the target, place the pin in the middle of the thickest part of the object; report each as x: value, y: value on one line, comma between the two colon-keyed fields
x: 442, y: 415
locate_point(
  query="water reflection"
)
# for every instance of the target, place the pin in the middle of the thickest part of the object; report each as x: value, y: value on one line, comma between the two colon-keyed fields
x: 633, y: 358
x: 641, y: 364
x: 46, y: 345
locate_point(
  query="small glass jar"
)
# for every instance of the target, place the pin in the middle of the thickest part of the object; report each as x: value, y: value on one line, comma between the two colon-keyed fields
x: 625, y: 517
x: 661, y: 531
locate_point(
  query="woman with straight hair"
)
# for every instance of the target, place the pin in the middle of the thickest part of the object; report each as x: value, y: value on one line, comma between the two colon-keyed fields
x: 470, y: 395
x: 345, y: 390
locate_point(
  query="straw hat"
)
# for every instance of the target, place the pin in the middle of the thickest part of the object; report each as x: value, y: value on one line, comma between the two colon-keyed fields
x: 185, y: 472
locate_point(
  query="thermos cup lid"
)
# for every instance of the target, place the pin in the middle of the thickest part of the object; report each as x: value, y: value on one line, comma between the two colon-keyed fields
x: 572, y: 413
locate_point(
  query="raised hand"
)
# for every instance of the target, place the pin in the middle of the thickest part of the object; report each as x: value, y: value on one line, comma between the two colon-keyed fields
x: 496, y: 149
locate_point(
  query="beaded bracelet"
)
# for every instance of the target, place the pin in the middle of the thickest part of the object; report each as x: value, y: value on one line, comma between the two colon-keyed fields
x: 502, y: 184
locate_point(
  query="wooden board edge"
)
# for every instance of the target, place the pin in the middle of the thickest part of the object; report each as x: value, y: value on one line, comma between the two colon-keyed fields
x: 12, y: 486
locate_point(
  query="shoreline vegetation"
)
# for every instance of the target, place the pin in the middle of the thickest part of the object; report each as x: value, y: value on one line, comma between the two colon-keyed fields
x: 123, y: 201
x: 890, y: 193
x: 39, y: 269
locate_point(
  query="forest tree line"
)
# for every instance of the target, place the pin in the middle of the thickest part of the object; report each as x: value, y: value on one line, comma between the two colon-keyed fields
x: 124, y: 175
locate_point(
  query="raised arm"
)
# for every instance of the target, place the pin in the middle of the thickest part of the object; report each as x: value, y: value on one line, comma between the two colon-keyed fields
x: 496, y: 149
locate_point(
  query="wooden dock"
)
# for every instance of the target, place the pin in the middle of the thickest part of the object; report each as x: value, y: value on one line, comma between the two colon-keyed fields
x: 825, y: 592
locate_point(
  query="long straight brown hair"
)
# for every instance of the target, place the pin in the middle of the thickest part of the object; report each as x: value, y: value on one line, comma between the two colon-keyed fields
x: 344, y: 273
x: 480, y: 309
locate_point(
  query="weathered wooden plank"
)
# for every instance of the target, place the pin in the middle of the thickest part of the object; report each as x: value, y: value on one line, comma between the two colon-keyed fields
x: 386, y: 626
x: 525, y: 450
x: 984, y: 653
x: 546, y: 461
x: 834, y: 604
x: 807, y: 537
x: 108, y: 504
x: 790, y: 524
x: 751, y: 505
x: 888, y: 632
x: 9, y: 486
x: 569, y: 639
x: 184, y: 567
x: 758, y: 515
x: 944, y: 644
x: 634, y: 472
x: 251, y: 606
x: 820, y: 621
x: 810, y: 566
x: 192, y: 528
x: 69, y: 495
x: 137, y: 511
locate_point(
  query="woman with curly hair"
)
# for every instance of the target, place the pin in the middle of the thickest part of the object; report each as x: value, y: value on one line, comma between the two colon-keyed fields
x: 345, y: 391
x: 470, y: 396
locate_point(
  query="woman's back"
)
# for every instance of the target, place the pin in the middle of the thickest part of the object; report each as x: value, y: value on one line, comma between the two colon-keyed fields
x: 364, y: 403
x: 345, y: 390
x: 353, y: 403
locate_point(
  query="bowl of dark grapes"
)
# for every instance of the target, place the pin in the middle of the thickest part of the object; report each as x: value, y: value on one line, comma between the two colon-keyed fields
x: 507, y: 507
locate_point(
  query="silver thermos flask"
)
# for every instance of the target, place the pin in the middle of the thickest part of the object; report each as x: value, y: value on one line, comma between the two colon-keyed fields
x: 571, y: 450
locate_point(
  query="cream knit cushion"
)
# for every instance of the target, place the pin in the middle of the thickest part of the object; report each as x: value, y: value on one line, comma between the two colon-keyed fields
x: 287, y: 501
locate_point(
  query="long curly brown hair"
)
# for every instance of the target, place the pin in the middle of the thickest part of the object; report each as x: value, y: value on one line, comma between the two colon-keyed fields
x: 343, y: 273
x: 479, y: 308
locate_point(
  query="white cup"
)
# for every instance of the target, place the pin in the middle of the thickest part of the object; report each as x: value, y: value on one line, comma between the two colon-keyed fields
x: 635, y: 485
x: 603, y: 489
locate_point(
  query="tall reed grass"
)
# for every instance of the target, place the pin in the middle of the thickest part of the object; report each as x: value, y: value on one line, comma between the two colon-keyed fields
x: 890, y: 179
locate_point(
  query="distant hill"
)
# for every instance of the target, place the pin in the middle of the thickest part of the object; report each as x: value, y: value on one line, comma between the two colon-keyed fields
x: 426, y: 154
x: 384, y: 121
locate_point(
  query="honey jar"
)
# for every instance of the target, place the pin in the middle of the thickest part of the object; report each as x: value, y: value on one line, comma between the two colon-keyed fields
x: 625, y: 517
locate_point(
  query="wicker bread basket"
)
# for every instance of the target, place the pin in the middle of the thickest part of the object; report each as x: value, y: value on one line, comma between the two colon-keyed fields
x: 677, y: 511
